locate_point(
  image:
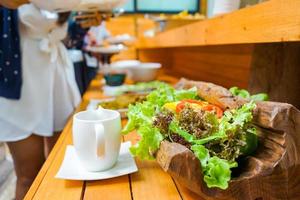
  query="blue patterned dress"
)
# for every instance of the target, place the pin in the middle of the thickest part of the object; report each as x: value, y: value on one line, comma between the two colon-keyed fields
x: 10, y: 57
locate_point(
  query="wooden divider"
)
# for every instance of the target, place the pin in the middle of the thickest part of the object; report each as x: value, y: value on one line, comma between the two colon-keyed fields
x: 271, y: 21
x: 227, y: 65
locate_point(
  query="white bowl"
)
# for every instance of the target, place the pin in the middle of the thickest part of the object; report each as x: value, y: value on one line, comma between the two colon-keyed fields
x: 145, y: 72
x: 125, y: 64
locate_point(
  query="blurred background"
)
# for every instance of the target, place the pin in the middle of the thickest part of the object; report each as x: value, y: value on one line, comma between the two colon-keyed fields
x: 143, y: 19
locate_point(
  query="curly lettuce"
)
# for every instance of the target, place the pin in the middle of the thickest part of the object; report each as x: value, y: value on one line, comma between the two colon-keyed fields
x: 245, y: 94
x: 140, y: 118
x: 217, y: 150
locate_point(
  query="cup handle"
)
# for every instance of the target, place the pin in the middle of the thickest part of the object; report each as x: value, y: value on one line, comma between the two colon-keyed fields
x: 100, y: 140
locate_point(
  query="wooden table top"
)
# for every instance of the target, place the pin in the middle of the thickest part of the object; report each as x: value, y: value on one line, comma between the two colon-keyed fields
x: 149, y: 183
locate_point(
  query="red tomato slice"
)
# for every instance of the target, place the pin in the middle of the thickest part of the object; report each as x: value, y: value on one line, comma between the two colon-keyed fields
x: 218, y: 110
x: 180, y: 106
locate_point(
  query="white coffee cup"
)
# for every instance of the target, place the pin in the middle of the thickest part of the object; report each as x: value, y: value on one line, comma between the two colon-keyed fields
x: 97, y: 138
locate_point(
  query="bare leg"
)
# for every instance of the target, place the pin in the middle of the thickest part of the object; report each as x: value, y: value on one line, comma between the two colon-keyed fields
x: 50, y: 142
x: 28, y: 156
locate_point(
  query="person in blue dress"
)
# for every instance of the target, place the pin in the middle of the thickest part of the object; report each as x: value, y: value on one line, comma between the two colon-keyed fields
x: 25, y: 89
x: 10, y: 56
x: 10, y: 69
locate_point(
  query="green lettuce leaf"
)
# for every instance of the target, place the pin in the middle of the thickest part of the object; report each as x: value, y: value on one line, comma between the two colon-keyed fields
x: 138, y: 115
x: 260, y: 97
x: 140, y: 119
x: 245, y: 94
x: 185, y: 94
x: 251, y: 141
x: 234, y: 135
x: 217, y: 173
x: 174, y: 127
x: 161, y: 96
x: 239, y: 92
x: 202, y: 154
x: 148, y: 144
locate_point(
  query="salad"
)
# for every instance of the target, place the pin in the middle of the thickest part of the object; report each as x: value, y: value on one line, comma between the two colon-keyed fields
x: 245, y: 94
x: 216, y: 137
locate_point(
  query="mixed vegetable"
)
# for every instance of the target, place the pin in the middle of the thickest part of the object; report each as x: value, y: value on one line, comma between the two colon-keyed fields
x: 138, y: 88
x: 216, y: 137
x: 245, y: 94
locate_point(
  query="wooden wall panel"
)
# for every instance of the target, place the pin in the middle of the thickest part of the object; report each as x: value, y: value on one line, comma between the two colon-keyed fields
x: 227, y: 65
x: 224, y: 65
x: 144, y: 25
x: 163, y: 56
x: 276, y: 71
x: 119, y: 26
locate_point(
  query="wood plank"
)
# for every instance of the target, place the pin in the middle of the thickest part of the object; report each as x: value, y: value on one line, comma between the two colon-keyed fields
x: 275, y: 70
x: 163, y: 56
x: 151, y: 182
x: 123, y: 25
x: 52, y: 188
x: 119, y: 188
x: 186, y: 194
x: 111, y: 189
x: 45, y: 185
x: 42, y: 175
x: 271, y: 21
x: 226, y: 65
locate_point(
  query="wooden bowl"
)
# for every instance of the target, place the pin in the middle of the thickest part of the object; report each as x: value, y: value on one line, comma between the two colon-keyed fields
x: 272, y: 172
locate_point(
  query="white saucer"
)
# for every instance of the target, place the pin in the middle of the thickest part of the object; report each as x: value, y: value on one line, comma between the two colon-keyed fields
x: 121, y: 39
x: 112, y: 49
x: 71, y: 168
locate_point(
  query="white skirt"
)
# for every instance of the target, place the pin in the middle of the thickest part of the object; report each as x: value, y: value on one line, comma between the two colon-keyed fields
x: 55, y: 113
x: 49, y: 90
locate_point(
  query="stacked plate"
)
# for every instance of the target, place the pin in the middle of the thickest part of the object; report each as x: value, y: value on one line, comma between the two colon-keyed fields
x: 78, y: 5
x: 99, y: 5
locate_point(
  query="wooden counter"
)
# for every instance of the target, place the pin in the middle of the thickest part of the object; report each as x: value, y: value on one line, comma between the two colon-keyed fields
x: 150, y: 182
x: 271, y: 21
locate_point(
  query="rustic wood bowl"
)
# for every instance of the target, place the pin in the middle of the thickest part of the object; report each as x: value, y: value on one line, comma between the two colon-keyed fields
x: 272, y: 172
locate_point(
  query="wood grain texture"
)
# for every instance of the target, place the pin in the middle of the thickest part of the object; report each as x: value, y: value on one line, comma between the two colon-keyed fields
x: 119, y: 26
x: 227, y: 65
x: 272, y: 172
x: 187, y: 194
x: 151, y: 182
x: 275, y: 70
x: 111, y: 189
x: 45, y: 185
x: 271, y: 21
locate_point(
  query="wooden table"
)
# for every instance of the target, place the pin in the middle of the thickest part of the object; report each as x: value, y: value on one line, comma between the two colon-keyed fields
x: 150, y: 182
